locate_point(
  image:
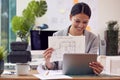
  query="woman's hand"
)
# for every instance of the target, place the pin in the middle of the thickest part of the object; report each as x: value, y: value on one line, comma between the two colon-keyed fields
x: 97, y: 67
x: 47, y: 55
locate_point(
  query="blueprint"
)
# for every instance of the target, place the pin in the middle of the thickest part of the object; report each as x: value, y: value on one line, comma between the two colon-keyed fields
x: 66, y: 44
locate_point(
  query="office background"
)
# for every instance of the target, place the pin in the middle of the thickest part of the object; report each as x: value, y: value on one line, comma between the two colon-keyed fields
x: 103, y: 11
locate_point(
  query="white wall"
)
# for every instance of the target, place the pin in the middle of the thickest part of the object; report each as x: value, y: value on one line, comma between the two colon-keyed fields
x: 21, y: 4
x: 106, y: 10
x: 56, y: 17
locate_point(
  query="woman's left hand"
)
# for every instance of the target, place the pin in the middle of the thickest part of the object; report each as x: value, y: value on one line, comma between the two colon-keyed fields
x: 97, y: 67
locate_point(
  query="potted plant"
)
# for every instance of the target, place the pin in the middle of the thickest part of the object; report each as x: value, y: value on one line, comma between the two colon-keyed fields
x: 21, y: 25
x: 112, y: 38
x: 2, y: 56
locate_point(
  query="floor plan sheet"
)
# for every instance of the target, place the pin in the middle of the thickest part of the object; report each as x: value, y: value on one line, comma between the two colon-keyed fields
x: 66, y: 44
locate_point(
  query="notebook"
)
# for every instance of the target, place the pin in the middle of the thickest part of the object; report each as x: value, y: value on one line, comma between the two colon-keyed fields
x: 78, y: 64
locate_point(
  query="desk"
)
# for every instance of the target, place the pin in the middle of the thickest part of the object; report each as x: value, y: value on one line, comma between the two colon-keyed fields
x: 15, y: 77
x: 31, y: 77
x: 96, y: 78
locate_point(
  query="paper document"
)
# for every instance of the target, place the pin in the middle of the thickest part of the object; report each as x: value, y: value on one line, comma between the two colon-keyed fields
x: 50, y: 74
x: 66, y: 44
x: 55, y: 76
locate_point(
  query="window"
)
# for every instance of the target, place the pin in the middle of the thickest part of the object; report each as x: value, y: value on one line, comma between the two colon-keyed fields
x: 7, y: 11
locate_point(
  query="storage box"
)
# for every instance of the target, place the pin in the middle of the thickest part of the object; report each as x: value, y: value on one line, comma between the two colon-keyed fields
x: 113, y: 65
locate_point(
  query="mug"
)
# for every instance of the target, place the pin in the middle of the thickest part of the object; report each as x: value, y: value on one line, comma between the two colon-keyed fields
x: 22, y: 69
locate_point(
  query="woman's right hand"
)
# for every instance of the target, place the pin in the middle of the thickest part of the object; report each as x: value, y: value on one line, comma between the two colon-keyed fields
x: 47, y: 55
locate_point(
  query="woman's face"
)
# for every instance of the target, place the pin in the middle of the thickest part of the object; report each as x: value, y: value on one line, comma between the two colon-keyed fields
x: 79, y: 22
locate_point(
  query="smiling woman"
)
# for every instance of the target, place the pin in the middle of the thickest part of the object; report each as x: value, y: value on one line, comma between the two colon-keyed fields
x: 79, y: 17
x: 80, y: 22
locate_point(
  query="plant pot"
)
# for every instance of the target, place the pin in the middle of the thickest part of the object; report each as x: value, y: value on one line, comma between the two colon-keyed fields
x: 19, y: 56
x: 1, y: 66
x: 111, y: 38
x: 19, y: 46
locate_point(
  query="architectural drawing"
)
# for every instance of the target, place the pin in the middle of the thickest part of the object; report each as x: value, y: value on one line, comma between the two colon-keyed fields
x: 66, y: 44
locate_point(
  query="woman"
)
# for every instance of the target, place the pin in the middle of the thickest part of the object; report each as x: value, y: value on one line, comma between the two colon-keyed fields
x: 79, y: 17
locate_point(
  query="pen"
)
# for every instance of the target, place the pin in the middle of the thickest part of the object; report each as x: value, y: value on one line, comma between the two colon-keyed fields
x: 47, y: 73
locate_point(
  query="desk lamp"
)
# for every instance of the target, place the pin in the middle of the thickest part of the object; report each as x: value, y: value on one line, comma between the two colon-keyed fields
x: 20, y: 56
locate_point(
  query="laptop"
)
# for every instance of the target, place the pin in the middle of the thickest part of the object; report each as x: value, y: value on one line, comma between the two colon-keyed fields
x: 78, y: 64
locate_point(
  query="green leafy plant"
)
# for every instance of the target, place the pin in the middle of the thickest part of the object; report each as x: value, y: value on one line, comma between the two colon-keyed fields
x: 2, y: 53
x: 112, y: 25
x: 2, y: 58
x: 21, y: 25
x: 112, y: 38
